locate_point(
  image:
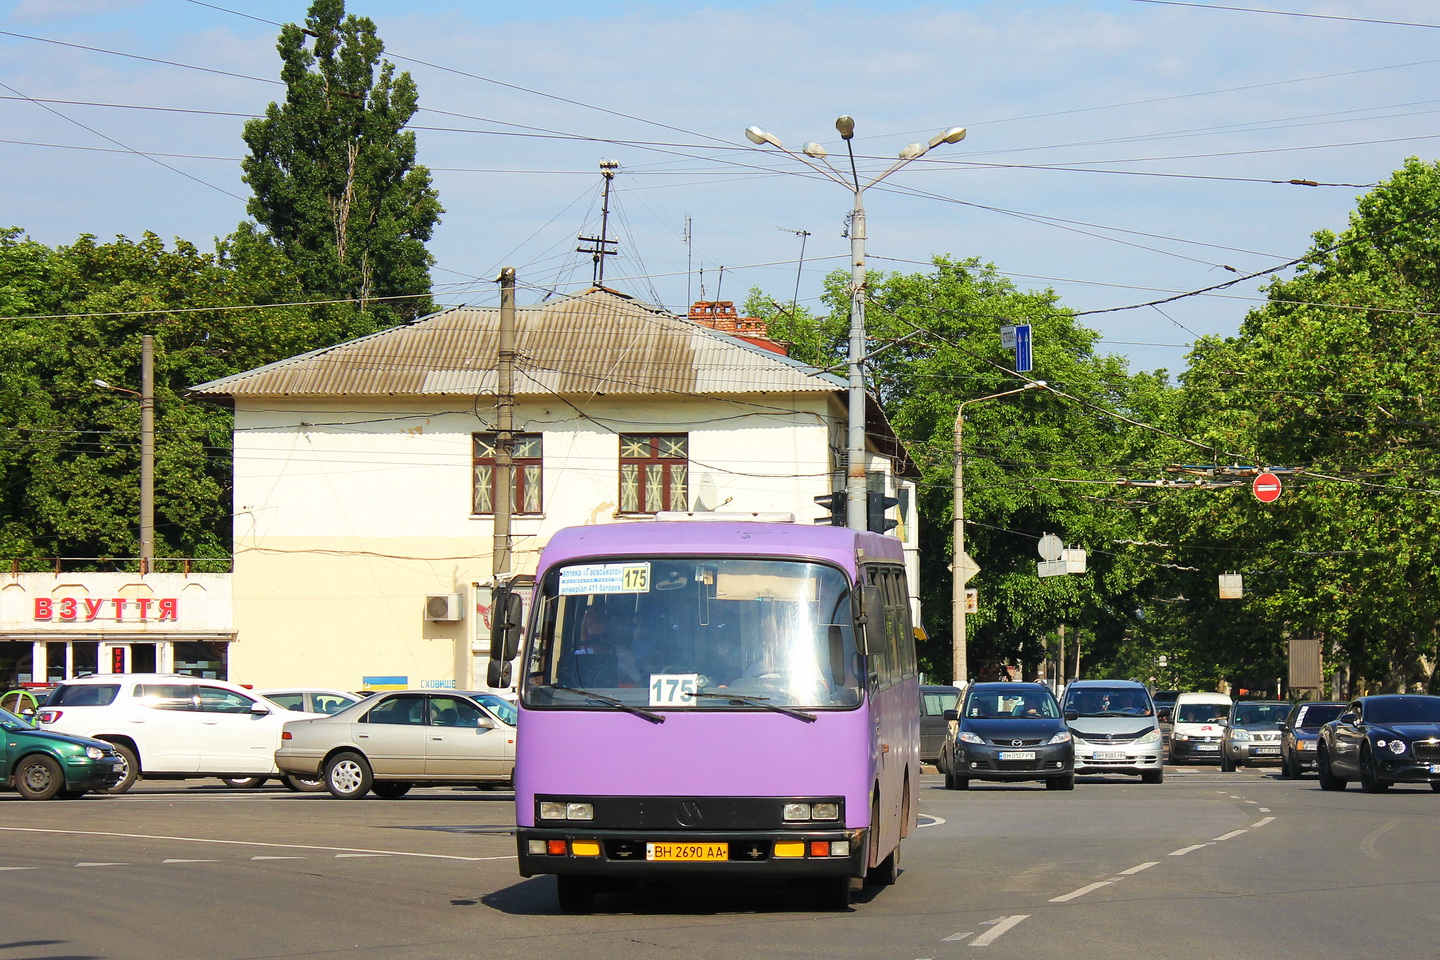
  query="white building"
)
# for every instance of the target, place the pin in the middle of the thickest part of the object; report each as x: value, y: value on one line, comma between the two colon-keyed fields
x: 363, y: 524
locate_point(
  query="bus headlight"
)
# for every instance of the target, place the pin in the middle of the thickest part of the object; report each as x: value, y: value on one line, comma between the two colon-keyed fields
x: 560, y: 810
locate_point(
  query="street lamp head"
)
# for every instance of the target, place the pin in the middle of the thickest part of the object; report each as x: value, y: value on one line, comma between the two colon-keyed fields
x: 953, y: 135
x: 813, y: 149
x: 913, y: 151
x: 1036, y: 385
x: 846, y: 126
x: 759, y: 137
x: 102, y: 384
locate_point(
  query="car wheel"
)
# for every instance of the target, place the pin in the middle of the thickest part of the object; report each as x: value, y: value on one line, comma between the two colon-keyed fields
x: 347, y: 776
x: 949, y: 780
x: 1066, y: 782
x: 1328, y: 780
x: 39, y: 777
x: 1226, y: 766
x: 303, y: 784
x: 1370, y: 782
x: 1153, y: 776
x: 244, y: 783
x: 577, y: 894
x: 70, y: 794
x: 1435, y: 785
x: 129, y: 767
x: 390, y: 789
x: 962, y: 783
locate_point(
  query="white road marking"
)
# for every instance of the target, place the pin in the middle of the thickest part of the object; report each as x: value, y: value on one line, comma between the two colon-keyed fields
x: 1230, y: 836
x: 1136, y: 869
x: 1002, y: 926
x: 1264, y: 809
x: 1088, y: 888
x: 1190, y: 849
x: 341, y: 855
x: 957, y: 936
x: 19, y: 868
x: 102, y: 864
x: 178, y: 860
x: 1261, y: 823
x: 250, y: 843
x: 277, y: 858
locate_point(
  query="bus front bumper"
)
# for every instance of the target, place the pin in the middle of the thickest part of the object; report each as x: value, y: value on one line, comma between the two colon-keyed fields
x: 642, y: 854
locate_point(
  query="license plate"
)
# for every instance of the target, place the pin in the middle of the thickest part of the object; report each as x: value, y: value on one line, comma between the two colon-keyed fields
x: 1017, y: 754
x: 1435, y: 768
x: 1203, y: 747
x: 1267, y: 751
x: 1109, y: 754
x: 687, y: 851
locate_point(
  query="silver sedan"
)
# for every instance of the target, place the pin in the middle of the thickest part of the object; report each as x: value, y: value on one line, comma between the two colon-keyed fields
x: 399, y: 739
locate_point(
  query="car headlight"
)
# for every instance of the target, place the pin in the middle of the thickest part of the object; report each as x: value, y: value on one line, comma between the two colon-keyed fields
x: 1062, y: 737
x: 1239, y: 734
x: 965, y: 736
x: 94, y: 753
x: 1152, y: 737
x: 1179, y: 736
x: 1397, y: 747
x: 1303, y: 745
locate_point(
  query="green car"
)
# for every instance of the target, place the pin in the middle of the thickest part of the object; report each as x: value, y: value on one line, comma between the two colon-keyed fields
x: 41, y: 765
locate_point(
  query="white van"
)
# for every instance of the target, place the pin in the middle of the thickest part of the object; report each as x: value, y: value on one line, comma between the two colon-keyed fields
x: 1197, y: 726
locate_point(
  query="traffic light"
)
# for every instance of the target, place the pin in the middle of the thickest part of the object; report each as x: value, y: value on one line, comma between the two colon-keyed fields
x: 834, y: 502
x: 876, y: 504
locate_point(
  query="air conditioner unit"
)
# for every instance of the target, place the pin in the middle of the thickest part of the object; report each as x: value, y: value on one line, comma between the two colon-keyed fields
x: 444, y: 608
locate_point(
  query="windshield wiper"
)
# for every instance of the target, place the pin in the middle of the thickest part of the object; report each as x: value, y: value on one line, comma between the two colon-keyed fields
x: 650, y: 715
x: 759, y: 702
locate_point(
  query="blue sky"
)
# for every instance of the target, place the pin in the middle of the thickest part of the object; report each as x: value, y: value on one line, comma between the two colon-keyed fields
x: 1119, y: 151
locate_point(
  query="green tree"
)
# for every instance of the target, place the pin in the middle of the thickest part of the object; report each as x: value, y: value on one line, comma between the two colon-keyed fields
x: 1334, y: 379
x: 336, y: 185
x: 941, y: 336
x: 69, y: 449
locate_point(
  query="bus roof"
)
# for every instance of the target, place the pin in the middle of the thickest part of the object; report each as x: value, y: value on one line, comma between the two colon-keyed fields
x: 838, y: 545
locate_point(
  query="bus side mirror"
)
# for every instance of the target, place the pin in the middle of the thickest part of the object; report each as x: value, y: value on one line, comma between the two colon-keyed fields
x: 870, y: 602
x: 505, y: 627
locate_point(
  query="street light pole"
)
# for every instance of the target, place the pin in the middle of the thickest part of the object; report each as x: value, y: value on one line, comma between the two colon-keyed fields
x: 855, y: 482
x: 960, y: 666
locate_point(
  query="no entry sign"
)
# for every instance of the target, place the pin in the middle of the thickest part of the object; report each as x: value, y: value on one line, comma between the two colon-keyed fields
x: 1266, y: 487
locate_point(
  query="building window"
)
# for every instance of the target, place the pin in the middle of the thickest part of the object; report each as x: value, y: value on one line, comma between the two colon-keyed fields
x: 654, y: 472
x: 524, y: 476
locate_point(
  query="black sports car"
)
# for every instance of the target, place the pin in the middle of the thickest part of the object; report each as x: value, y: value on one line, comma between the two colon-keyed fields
x: 1380, y: 740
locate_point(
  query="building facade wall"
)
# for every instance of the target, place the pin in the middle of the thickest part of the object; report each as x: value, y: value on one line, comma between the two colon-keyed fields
x: 349, y: 515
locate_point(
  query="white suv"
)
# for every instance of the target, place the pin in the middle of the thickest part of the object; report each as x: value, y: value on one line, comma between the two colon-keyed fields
x: 171, y: 726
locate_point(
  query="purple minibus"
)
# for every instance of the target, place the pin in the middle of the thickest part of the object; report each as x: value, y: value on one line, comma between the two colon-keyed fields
x: 713, y: 700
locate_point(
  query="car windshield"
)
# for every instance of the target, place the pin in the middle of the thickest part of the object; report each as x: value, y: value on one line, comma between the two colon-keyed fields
x: 1011, y: 704
x: 1316, y: 715
x: 1405, y: 710
x: 1200, y: 712
x: 641, y: 632
x: 1109, y: 702
x: 1252, y: 714
x: 499, y: 706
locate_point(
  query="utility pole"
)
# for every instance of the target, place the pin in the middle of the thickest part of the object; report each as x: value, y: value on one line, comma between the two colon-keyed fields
x: 504, y: 426
x: 600, y: 247
x: 147, y: 453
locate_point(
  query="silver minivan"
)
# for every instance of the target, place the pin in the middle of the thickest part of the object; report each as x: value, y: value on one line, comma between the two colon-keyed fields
x: 1115, y: 729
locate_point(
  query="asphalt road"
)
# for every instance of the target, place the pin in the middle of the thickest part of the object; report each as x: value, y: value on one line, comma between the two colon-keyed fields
x: 1205, y: 865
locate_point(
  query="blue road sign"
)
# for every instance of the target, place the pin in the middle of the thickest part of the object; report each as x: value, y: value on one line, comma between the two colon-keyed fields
x: 1024, y: 363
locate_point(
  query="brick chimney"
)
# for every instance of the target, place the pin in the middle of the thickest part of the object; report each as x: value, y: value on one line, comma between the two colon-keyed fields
x: 721, y: 315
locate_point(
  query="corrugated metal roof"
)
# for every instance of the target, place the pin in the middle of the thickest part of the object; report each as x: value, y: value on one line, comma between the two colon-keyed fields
x: 598, y: 342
